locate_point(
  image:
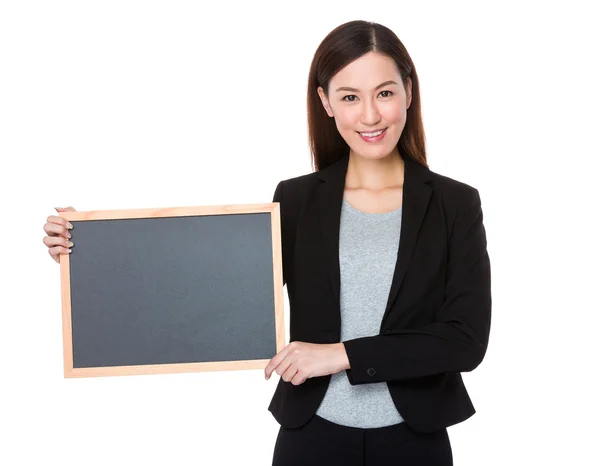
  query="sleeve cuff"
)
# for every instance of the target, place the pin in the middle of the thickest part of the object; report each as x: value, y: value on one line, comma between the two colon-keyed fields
x: 360, y: 371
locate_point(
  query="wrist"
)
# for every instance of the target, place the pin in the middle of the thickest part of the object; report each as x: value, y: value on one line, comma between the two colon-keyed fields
x: 344, y: 361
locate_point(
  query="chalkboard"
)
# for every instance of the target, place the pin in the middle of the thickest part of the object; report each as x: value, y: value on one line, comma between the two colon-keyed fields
x: 168, y: 290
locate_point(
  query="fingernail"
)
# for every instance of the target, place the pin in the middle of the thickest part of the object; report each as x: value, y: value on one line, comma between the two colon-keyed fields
x: 70, y: 244
x: 69, y: 235
x: 69, y: 225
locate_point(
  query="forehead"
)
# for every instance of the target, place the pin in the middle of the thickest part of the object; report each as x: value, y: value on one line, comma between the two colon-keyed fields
x: 367, y: 71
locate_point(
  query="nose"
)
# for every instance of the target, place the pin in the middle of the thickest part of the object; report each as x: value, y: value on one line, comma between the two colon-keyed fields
x: 370, y: 113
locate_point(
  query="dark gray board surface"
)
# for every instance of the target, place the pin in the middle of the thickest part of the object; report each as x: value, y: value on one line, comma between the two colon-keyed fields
x: 169, y: 290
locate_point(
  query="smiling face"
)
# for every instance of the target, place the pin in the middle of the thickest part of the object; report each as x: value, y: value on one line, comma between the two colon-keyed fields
x: 368, y: 102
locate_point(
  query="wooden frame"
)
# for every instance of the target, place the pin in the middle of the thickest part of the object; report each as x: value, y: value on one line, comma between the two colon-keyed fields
x: 73, y: 217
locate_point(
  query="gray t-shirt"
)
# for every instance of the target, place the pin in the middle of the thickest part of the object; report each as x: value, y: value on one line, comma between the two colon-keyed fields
x: 368, y: 252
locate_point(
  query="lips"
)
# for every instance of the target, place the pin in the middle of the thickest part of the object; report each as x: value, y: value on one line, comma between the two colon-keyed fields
x: 373, y: 136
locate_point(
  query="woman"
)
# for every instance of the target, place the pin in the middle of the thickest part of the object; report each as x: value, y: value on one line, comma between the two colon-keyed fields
x: 387, y: 270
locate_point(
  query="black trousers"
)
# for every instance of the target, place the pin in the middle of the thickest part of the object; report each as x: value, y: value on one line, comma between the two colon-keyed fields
x: 321, y: 442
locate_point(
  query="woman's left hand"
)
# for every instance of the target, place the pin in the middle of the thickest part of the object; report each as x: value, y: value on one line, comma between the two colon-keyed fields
x: 299, y: 361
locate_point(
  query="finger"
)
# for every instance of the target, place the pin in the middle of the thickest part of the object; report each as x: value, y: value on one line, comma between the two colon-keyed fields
x: 51, y: 241
x: 283, y: 366
x: 57, y: 250
x: 274, y: 362
x: 290, y: 373
x: 65, y: 209
x: 54, y: 229
x: 59, y: 220
x: 298, y: 379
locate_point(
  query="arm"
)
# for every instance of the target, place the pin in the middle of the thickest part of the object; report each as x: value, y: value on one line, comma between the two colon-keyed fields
x: 457, y: 340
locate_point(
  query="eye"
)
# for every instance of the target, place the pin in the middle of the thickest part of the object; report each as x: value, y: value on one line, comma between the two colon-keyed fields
x: 346, y: 96
x: 390, y: 93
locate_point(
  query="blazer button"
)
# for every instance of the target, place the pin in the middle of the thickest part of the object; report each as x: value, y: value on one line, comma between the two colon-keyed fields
x: 371, y: 371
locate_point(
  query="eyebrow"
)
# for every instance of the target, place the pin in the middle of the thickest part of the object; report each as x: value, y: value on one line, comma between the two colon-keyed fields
x: 351, y: 89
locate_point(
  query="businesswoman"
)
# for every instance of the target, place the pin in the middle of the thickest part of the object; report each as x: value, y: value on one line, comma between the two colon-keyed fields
x: 386, y: 267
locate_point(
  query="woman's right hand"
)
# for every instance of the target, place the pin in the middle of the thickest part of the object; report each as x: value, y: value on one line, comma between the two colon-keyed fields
x: 58, y: 238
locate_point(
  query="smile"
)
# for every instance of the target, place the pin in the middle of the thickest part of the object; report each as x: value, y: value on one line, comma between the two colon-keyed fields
x: 373, y: 136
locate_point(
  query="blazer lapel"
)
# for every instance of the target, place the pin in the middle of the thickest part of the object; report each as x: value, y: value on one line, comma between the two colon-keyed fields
x: 416, y: 194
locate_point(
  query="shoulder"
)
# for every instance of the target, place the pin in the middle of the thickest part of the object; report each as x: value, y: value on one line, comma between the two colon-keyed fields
x: 451, y: 186
x: 292, y: 195
x: 460, y: 203
x: 292, y: 191
x: 455, y: 194
x: 300, y: 183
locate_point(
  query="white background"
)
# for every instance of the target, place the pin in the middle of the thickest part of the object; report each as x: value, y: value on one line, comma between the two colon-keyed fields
x: 123, y: 104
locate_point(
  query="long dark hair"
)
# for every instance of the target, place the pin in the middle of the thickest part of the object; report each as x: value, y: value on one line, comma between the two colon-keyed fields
x: 343, y: 45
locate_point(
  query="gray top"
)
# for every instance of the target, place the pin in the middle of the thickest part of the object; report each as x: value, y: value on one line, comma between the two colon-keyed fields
x: 368, y: 252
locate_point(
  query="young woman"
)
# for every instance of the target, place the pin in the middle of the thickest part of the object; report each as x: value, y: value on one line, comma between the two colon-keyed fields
x: 387, y: 271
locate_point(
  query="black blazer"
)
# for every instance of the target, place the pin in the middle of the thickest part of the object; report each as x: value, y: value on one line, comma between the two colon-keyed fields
x: 437, y: 319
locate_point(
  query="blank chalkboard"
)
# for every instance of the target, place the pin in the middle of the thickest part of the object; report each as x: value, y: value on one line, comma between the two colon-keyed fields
x: 168, y: 290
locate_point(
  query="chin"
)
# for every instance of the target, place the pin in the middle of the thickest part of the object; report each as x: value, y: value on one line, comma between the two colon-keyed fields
x: 372, y: 151
x: 375, y: 153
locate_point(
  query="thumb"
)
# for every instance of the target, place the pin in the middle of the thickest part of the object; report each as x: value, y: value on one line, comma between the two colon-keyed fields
x: 64, y: 209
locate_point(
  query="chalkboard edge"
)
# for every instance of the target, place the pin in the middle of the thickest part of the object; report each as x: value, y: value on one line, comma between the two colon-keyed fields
x: 160, y: 212
x: 152, y: 369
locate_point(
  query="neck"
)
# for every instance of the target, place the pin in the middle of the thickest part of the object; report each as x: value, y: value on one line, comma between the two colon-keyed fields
x: 375, y: 174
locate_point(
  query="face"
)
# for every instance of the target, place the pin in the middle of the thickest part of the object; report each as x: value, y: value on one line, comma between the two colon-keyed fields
x: 368, y: 102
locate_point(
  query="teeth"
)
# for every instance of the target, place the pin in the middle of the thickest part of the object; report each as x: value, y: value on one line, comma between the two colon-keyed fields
x: 372, y: 135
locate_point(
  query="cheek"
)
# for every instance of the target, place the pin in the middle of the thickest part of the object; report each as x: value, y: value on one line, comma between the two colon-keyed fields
x: 393, y: 113
x: 346, y: 119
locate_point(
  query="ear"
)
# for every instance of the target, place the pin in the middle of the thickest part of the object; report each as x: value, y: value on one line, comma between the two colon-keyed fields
x: 324, y: 101
x: 408, y: 92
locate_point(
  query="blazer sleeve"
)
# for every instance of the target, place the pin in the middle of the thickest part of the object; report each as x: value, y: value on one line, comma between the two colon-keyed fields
x: 457, y: 339
x: 278, y: 197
